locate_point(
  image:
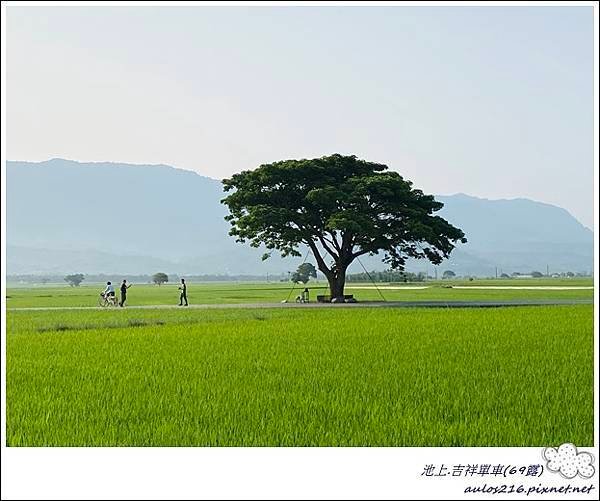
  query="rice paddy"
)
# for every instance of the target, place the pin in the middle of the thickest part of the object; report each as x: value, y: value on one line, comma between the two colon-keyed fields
x: 296, y: 377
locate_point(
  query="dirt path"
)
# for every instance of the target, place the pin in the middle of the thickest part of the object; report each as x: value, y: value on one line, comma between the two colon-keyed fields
x: 366, y: 304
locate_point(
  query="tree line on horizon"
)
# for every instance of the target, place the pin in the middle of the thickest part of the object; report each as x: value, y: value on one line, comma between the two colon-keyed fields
x: 75, y: 280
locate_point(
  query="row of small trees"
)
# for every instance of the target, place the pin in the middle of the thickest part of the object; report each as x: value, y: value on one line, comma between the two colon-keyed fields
x: 76, y: 279
x: 538, y: 274
x: 387, y: 276
x: 306, y: 271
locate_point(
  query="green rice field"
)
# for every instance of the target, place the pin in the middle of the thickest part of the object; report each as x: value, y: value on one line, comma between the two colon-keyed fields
x: 296, y: 377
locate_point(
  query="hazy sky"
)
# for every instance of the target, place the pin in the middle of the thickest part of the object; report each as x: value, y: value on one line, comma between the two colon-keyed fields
x: 495, y: 102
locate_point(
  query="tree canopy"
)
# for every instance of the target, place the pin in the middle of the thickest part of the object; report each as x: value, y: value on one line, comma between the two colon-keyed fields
x: 341, y: 208
x: 160, y: 278
x: 75, y: 279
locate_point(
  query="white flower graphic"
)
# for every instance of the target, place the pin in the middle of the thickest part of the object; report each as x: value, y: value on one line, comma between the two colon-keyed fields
x: 568, y: 462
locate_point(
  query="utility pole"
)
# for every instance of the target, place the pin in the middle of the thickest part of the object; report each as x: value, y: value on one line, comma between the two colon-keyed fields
x: 547, y: 270
x: 496, y: 272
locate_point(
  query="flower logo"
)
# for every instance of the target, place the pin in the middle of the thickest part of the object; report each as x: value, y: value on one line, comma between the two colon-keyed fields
x: 568, y: 462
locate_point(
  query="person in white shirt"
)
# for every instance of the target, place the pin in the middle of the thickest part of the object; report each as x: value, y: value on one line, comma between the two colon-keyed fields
x: 109, y: 291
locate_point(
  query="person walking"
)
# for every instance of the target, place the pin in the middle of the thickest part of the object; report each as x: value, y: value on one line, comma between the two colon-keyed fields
x: 124, y: 288
x: 183, y: 295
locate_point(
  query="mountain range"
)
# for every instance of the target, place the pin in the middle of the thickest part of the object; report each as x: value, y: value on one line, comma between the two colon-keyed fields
x: 64, y: 216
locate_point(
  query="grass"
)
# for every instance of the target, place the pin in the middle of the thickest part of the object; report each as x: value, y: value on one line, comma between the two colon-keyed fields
x: 327, y: 377
x: 214, y: 293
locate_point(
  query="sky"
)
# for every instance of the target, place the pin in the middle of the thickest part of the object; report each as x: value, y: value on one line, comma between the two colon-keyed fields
x: 495, y: 102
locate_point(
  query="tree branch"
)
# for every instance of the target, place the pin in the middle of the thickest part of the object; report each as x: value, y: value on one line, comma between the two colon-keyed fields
x: 320, y: 262
x: 347, y: 239
x: 327, y: 248
x: 329, y: 240
x: 359, y: 253
x: 336, y: 244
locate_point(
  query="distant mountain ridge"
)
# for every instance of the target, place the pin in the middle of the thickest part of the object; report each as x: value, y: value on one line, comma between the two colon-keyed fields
x: 108, y: 217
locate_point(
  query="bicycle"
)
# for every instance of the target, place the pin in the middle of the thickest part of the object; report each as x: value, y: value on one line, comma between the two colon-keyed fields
x: 107, y: 301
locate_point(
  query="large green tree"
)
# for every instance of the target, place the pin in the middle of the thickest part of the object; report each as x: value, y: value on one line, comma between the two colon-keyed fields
x: 341, y: 207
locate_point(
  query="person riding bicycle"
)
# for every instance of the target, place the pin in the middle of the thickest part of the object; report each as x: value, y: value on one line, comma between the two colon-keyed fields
x: 109, y: 292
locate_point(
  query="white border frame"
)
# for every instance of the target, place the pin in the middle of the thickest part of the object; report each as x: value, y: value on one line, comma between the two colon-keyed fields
x: 263, y: 473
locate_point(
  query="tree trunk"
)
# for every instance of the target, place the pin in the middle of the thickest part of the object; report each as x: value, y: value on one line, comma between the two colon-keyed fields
x: 336, y: 275
x: 336, y: 285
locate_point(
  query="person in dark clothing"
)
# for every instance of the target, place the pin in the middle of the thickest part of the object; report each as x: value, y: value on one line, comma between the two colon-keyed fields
x: 183, y: 295
x: 124, y: 288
